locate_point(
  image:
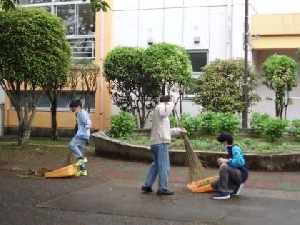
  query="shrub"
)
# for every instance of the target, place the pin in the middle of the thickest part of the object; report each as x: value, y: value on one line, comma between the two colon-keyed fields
x: 208, y: 123
x: 190, y: 123
x: 295, y: 128
x: 257, y: 123
x: 228, y: 122
x: 122, y: 124
x: 275, y: 128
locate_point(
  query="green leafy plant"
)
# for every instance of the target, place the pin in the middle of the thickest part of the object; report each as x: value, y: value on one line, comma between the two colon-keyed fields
x: 229, y: 122
x: 295, y: 128
x: 208, y: 123
x: 275, y: 128
x: 190, y: 123
x: 122, y: 125
x: 257, y: 122
x: 220, y: 87
x: 173, y: 121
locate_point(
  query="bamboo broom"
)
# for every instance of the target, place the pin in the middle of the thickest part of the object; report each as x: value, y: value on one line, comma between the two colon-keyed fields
x: 195, y: 166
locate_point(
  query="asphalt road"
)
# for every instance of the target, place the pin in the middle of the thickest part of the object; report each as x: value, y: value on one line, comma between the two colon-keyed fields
x: 111, y: 195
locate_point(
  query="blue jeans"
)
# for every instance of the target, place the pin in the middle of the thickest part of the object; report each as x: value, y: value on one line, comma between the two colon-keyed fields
x: 160, y: 166
x: 77, y: 145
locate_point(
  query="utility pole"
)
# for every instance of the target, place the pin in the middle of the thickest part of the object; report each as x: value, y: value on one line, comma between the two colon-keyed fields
x: 245, y: 77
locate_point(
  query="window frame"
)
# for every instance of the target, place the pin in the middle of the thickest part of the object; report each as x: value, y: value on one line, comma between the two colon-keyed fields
x: 195, y: 74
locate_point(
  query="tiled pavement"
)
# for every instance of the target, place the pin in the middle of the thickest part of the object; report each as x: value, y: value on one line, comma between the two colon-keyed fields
x: 112, y: 188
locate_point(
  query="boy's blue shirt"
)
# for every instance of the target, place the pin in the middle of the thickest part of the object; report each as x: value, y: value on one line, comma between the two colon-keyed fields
x: 84, y: 123
x: 237, y: 159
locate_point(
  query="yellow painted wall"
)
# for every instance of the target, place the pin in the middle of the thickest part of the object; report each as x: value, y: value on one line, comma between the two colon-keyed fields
x: 275, y: 24
x: 275, y: 31
x: 65, y: 119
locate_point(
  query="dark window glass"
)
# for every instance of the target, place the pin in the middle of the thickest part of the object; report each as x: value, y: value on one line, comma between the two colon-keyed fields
x: 87, y: 99
x: 44, y: 102
x: 67, y: 13
x: 85, y: 20
x: 198, y: 59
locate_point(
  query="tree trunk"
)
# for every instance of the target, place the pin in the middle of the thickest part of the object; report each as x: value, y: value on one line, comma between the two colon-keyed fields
x: 24, y: 133
x: 54, y: 118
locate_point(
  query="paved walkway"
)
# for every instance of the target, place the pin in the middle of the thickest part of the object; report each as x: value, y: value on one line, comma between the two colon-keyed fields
x: 112, y: 188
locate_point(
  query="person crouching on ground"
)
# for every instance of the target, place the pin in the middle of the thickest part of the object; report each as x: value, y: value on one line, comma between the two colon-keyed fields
x: 81, y: 137
x: 233, y: 171
x: 159, y: 140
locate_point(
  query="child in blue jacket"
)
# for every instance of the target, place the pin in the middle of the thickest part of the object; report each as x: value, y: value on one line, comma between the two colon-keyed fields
x: 81, y: 137
x: 233, y: 171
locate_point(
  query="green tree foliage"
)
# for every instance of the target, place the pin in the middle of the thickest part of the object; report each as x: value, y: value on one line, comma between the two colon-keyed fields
x: 129, y: 87
x: 220, y: 88
x: 6, y: 5
x: 33, y: 51
x: 99, y: 5
x: 170, y: 65
x: 280, y: 76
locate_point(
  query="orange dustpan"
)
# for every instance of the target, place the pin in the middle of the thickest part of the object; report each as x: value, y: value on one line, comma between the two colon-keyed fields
x: 201, y: 186
x: 67, y: 171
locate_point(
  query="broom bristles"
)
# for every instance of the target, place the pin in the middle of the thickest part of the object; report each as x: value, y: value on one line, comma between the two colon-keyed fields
x: 194, y: 164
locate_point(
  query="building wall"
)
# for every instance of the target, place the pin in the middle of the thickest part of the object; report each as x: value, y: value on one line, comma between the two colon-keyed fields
x: 218, y: 23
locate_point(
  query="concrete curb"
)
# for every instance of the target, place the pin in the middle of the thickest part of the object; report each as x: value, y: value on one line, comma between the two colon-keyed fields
x: 112, y: 148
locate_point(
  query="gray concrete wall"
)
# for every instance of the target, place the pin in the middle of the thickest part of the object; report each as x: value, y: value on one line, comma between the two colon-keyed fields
x: 108, y: 147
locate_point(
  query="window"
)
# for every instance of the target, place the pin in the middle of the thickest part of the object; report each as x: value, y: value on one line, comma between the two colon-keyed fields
x: 27, y: 2
x: 82, y: 47
x: 199, y: 59
x: 79, y: 19
x: 87, y: 99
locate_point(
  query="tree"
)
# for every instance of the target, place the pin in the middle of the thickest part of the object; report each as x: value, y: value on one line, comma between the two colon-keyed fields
x: 280, y: 72
x: 33, y: 50
x: 83, y: 81
x: 170, y: 65
x: 220, y: 89
x: 129, y: 87
x: 6, y: 5
x: 55, y: 83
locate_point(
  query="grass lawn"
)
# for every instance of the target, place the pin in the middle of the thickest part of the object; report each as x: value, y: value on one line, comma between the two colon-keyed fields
x: 208, y: 143
x: 205, y: 143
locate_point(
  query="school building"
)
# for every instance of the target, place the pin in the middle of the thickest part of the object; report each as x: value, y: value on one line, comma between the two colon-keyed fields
x: 207, y: 29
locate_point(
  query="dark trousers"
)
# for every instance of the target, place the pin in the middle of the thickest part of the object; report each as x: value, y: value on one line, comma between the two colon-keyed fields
x: 229, y: 178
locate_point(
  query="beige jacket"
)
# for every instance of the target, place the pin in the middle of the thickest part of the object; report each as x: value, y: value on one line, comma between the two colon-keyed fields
x: 161, y: 131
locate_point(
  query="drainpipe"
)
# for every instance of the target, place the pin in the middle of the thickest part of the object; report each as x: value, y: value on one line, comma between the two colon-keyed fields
x: 101, y: 75
x: 229, y: 29
x: 245, y: 77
